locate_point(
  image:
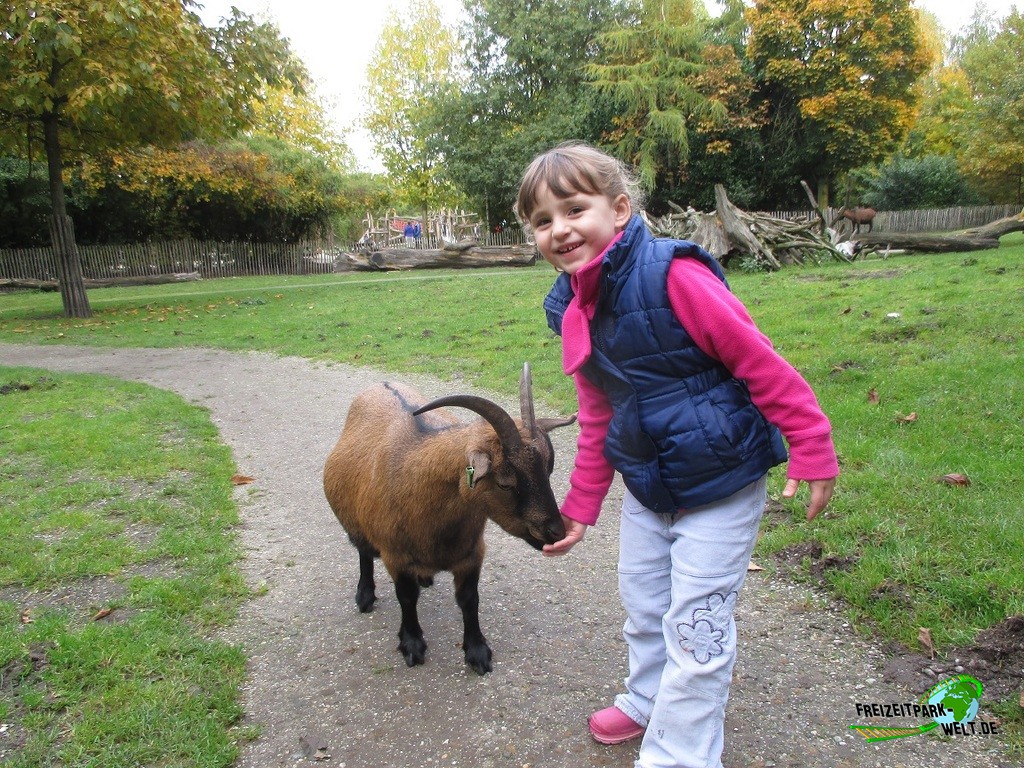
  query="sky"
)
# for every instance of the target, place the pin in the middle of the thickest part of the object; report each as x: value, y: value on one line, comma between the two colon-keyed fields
x: 336, y: 41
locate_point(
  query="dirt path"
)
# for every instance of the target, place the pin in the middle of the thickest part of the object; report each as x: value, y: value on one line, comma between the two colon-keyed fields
x: 324, y: 677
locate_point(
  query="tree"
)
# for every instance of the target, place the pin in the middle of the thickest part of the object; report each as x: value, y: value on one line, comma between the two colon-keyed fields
x: 256, y: 188
x: 681, y: 96
x: 413, y: 68
x: 842, y: 74
x: 649, y: 68
x: 89, y: 76
x: 525, y: 92
x: 945, y: 102
x: 993, y: 143
x: 300, y: 119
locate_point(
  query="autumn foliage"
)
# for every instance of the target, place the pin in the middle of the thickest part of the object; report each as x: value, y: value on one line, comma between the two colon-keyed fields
x: 254, y: 190
x: 849, y: 68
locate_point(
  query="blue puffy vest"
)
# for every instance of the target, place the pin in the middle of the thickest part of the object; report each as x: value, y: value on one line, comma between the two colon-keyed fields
x: 684, y: 431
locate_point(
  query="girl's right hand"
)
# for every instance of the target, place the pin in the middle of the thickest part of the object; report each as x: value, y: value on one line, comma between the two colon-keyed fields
x: 574, y: 532
x: 821, y: 492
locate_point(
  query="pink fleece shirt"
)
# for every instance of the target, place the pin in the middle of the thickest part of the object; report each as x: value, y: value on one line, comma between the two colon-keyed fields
x: 721, y: 326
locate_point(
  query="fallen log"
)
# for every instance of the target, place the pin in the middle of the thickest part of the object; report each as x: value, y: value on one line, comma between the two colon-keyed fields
x: 459, y: 256
x: 101, y: 282
x: 998, y: 228
x: 952, y: 242
x: 973, y: 239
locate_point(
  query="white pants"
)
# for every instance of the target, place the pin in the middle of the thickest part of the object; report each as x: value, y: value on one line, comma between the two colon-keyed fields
x: 679, y: 577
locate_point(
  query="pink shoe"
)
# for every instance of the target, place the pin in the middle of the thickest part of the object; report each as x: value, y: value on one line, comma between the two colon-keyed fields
x: 613, y: 726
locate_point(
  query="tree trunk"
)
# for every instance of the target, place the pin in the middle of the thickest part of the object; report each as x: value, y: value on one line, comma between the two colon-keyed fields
x: 454, y: 257
x: 102, y: 282
x: 62, y: 230
x: 823, y: 192
x: 815, y: 207
x: 998, y: 228
x: 69, y: 268
x: 927, y: 243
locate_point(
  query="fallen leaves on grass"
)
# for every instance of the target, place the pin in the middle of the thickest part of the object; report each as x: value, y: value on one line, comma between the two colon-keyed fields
x: 954, y: 478
x: 910, y: 418
x: 924, y: 637
x: 242, y: 480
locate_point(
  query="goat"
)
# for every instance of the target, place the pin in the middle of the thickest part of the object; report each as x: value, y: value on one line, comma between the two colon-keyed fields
x: 850, y: 248
x: 417, y: 490
x: 858, y: 216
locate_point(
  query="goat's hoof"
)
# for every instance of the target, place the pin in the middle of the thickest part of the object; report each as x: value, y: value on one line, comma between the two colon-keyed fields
x: 414, y: 649
x: 365, y: 601
x: 479, y: 658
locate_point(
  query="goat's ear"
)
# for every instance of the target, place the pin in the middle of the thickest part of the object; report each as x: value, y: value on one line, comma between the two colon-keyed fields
x: 546, y: 425
x: 479, y: 462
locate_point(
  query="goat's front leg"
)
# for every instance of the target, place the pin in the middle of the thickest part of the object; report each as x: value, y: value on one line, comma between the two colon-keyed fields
x: 366, y: 590
x: 467, y: 595
x: 410, y: 634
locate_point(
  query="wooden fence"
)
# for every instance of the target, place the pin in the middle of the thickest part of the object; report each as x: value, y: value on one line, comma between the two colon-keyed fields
x: 924, y: 220
x: 209, y: 259
x: 212, y: 259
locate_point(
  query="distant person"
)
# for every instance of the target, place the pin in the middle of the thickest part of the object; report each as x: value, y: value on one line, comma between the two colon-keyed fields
x: 682, y: 395
x: 410, y: 235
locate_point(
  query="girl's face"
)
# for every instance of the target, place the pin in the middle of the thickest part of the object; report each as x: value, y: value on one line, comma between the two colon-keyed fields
x: 572, y: 231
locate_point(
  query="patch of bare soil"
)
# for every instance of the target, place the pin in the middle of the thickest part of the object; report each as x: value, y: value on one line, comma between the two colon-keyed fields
x: 996, y: 657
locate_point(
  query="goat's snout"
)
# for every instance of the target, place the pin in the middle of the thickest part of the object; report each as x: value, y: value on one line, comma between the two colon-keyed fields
x: 550, y: 531
x: 554, y: 531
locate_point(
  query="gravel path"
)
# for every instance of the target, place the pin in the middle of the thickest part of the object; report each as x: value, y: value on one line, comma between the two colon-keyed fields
x: 327, y: 686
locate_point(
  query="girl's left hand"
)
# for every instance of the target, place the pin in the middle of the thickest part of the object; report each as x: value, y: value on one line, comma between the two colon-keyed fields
x: 821, y: 492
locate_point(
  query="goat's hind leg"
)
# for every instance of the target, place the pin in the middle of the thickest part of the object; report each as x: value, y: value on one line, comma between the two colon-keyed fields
x: 366, y: 590
x: 410, y: 634
x: 474, y: 644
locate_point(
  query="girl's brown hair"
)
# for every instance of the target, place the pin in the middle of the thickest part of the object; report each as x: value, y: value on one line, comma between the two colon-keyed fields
x: 575, y: 167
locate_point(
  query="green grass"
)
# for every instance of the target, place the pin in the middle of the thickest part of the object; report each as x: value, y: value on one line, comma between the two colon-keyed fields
x: 939, y: 336
x: 118, y: 564
x: 477, y: 325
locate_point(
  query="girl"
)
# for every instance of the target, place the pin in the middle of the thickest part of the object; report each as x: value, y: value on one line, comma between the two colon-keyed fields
x: 682, y: 394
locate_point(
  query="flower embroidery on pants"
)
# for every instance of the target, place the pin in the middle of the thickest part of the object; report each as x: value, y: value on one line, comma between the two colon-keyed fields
x: 703, y: 637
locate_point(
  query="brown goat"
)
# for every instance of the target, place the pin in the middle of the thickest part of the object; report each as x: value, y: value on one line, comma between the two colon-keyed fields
x: 417, y: 489
x: 858, y: 216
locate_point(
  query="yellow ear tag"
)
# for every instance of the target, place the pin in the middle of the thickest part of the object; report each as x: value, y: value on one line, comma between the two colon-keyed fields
x: 469, y: 475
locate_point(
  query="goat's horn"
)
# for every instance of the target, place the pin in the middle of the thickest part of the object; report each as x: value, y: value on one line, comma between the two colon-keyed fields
x: 493, y: 414
x: 526, y: 400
